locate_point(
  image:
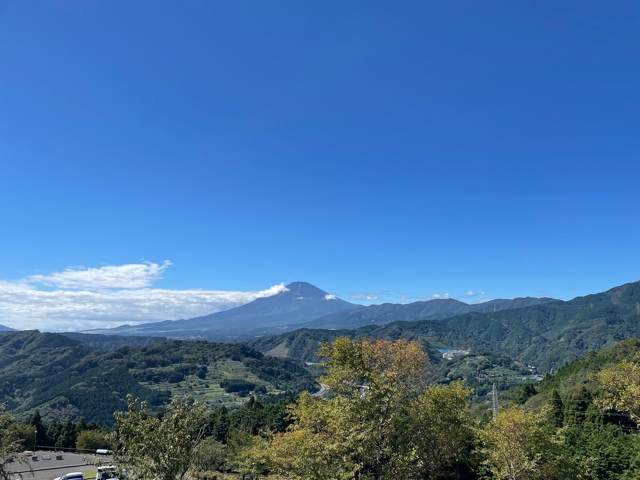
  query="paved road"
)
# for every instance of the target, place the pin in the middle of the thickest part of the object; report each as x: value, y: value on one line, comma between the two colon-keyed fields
x: 48, y: 467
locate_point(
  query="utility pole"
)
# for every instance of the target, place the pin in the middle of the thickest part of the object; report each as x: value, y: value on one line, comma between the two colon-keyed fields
x: 494, y: 394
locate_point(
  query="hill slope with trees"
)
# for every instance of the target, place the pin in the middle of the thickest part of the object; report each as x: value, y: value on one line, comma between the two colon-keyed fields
x: 544, y: 335
x: 66, y: 379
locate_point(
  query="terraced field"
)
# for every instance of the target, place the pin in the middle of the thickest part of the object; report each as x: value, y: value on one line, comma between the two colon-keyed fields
x: 209, y: 388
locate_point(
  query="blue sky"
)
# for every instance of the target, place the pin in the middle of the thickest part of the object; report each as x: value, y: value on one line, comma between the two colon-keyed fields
x: 382, y: 150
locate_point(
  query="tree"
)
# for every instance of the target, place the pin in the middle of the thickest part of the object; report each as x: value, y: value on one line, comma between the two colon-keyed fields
x: 317, y: 446
x: 437, y: 434
x: 40, y: 430
x: 367, y: 426
x: 10, y: 445
x: 67, y: 436
x: 93, y: 440
x: 25, y: 434
x: 517, y: 447
x: 603, y: 451
x: 152, y: 448
x: 219, y: 424
x: 576, y: 407
x: 557, y: 409
x: 210, y: 455
x: 620, y: 386
x: 54, y: 430
x: 373, y: 382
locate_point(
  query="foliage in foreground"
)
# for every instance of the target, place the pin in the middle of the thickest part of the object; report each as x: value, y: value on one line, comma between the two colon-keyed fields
x: 380, y: 421
x: 10, y: 444
x: 519, y: 445
x: 152, y: 448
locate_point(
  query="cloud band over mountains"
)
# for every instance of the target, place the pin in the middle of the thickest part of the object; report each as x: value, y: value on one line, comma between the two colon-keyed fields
x: 81, y: 298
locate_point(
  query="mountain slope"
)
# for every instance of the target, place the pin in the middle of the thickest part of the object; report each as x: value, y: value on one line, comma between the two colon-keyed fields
x: 64, y: 378
x: 4, y: 328
x: 436, y: 309
x: 547, y: 335
x: 581, y: 373
x: 110, y: 342
x: 300, y: 302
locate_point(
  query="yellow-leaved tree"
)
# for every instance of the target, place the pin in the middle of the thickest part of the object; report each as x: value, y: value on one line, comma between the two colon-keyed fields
x: 378, y: 419
x: 518, y: 446
x: 620, y: 389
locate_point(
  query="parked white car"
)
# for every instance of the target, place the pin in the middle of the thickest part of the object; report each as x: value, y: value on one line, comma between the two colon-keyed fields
x: 72, y: 476
x: 108, y: 472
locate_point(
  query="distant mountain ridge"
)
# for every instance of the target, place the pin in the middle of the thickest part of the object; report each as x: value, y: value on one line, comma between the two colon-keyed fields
x: 302, y: 305
x: 4, y: 328
x: 299, y: 303
x: 545, y: 335
x: 436, y: 309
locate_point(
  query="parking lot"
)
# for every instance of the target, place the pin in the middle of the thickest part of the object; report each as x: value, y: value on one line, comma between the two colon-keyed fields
x: 47, y: 465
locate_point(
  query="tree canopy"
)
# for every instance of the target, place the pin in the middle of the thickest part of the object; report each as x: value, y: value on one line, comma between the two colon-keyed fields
x: 379, y: 420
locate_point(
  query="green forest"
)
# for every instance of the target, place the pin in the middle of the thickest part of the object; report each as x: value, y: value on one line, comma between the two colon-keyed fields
x: 65, y: 378
x: 546, y: 335
x: 380, y: 418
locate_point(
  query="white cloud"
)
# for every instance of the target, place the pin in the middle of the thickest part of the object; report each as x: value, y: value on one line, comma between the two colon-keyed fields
x: 364, y: 297
x: 132, y: 275
x: 83, y: 298
x: 330, y: 296
x: 474, y: 293
x: 440, y: 295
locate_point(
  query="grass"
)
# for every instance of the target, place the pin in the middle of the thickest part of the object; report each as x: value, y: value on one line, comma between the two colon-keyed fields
x: 281, y: 350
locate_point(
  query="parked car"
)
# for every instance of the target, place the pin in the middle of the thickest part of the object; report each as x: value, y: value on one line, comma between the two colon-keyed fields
x: 72, y: 476
x: 108, y: 472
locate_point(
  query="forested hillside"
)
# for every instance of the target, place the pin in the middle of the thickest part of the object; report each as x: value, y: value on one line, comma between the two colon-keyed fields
x: 435, y: 309
x: 65, y: 378
x: 546, y: 336
x: 579, y: 378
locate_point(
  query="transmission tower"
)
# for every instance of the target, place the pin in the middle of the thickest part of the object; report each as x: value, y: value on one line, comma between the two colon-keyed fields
x: 494, y: 394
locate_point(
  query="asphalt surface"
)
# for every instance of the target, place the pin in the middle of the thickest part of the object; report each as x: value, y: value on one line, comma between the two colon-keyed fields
x: 48, y: 467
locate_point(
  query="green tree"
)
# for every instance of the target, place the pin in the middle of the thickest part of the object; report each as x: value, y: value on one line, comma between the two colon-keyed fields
x: 81, y: 425
x: 10, y: 445
x: 576, y: 407
x: 210, y: 455
x: 26, y: 435
x: 620, y: 388
x: 40, y: 430
x: 219, y: 424
x: 603, y: 452
x: 518, y: 447
x: 93, y: 440
x: 437, y: 434
x: 54, y: 430
x: 367, y: 428
x: 67, y: 436
x: 557, y: 409
x: 158, y: 448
